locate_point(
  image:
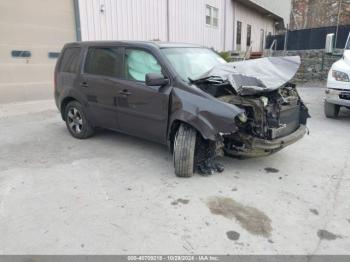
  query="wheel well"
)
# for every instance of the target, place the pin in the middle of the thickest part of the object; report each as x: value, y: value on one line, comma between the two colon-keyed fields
x: 173, y: 129
x: 64, y: 104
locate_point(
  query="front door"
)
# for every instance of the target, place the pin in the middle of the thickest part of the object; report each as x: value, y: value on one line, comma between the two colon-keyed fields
x: 142, y: 110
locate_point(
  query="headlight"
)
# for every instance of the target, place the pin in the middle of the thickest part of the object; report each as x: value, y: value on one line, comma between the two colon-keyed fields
x: 242, y: 117
x: 340, y: 76
x: 264, y: 100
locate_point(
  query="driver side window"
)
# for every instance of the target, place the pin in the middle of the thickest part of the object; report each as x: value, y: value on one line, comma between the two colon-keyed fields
x: 138, y: 63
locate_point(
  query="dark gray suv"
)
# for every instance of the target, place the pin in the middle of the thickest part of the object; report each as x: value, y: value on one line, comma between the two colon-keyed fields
x: 183, y: 96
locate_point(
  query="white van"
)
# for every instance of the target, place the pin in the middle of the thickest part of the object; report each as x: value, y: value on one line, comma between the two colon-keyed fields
x: 338, y: 85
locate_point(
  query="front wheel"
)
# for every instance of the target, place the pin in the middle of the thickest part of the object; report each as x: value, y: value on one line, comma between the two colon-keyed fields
x: 331, y: 110
x: 184, y: 149
x: 77, y: 122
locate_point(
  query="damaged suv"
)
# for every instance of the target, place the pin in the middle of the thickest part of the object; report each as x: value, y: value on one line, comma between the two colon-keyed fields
x: 181, y: 95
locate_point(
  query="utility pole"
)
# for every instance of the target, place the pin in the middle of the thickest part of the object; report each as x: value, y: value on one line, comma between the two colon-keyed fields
x: 336, y: 33
x: 167, y: 21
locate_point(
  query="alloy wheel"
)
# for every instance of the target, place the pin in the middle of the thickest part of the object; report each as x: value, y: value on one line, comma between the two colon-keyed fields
x: 75, y: 120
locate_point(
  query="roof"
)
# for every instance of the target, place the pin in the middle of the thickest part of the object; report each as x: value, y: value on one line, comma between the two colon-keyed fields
x: 134, y: 43
x: 278, y: 10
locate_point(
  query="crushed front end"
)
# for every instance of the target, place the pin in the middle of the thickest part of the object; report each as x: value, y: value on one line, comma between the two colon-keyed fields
x: 273, y: 121
x: 275, y: 115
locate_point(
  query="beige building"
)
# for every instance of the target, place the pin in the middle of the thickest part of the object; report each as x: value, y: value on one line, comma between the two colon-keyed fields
x: 32, y: 32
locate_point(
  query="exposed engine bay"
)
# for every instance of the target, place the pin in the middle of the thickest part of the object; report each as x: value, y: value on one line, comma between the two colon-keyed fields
x: 268, y: 116
x: 274, y: 114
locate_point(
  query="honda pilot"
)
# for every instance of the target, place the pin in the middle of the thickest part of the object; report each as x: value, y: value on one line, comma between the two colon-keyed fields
x: 181, y: 95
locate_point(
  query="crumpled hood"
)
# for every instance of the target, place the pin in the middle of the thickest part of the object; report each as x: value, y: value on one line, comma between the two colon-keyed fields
x: 256, y: 76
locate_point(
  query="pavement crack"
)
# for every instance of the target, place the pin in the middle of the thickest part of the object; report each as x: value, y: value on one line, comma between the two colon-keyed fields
x: 329, y: 213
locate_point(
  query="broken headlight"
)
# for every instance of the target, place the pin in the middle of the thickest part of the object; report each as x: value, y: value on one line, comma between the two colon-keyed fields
x: 264, y: 100
x: 340, y: 76
x: 242, y: 117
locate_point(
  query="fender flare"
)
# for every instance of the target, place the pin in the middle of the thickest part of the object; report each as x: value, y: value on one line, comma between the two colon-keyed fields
x: 199, y: 122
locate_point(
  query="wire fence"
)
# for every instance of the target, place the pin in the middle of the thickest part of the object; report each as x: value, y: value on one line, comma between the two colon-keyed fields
x: 306, y: 39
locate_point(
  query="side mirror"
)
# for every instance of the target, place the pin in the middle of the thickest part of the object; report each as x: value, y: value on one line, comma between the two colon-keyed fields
x: 156, y: 79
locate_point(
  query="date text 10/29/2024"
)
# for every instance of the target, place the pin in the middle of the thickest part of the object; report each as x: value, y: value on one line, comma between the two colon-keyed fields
x: 173, y: 258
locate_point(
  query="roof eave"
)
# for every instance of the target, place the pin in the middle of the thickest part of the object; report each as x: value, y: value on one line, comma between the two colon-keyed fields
x: 262, y: 11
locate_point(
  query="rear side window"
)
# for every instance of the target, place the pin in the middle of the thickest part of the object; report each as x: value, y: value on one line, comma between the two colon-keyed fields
x: 70, y: 60
x: 105, y: 61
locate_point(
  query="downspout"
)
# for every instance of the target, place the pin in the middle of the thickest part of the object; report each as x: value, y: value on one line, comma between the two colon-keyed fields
x: 225, y: 7
x: 234, y: 26
x: 336, y: 33
x: 77, y: 19
x: 168, y: 21
x: 286, y: 40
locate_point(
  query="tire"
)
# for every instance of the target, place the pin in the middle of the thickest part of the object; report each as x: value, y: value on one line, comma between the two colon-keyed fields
x: 76, y: 121
x: 331, y: 110
x: 184, y: 149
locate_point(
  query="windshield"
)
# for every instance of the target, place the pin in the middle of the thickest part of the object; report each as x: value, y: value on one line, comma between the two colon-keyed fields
x: 191, y: 63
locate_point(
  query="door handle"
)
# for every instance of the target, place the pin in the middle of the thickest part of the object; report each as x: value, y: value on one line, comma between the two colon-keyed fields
x: 125, y: 92
x: 84, y: 84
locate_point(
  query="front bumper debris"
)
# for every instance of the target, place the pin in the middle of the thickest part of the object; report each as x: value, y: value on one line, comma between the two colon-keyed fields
x: 279, y: 143
x: 255, y: 147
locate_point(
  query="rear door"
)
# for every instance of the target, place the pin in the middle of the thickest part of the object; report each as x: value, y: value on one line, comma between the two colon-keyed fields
x: 100, y: 83
x: 142, y: 110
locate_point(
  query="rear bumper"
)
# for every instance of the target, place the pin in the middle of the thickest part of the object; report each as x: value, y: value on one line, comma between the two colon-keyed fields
x: 333, y: 96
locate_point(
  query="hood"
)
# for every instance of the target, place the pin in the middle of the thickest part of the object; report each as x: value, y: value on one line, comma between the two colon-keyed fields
x: 255, y: 76
x: 343, y: 64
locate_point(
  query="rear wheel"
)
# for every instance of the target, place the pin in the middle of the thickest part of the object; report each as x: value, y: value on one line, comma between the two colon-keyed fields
x: 184, y: 148
x: 331, y: 110
x: 76, y: 121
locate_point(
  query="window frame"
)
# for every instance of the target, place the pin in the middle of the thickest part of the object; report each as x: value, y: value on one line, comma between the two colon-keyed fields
x: 240, y: 33
x: 217, y: 17
x: 21, y: 54
x: 78, y: 69
x: 53, y: 55
x: 208, y: 7
x: 119, y: 50
x: 124, y: 76
x: 249, y: 35
x: 212, y: 11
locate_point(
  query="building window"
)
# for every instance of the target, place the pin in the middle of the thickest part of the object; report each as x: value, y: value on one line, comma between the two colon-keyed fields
x: 239, y: 33
x: 208, y: 15
x: 262, y: 39
x: 249, y: 35
x: 215, y: 17
x: 53, y: 54
x: 21, y: 53
x: 211, y: 16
